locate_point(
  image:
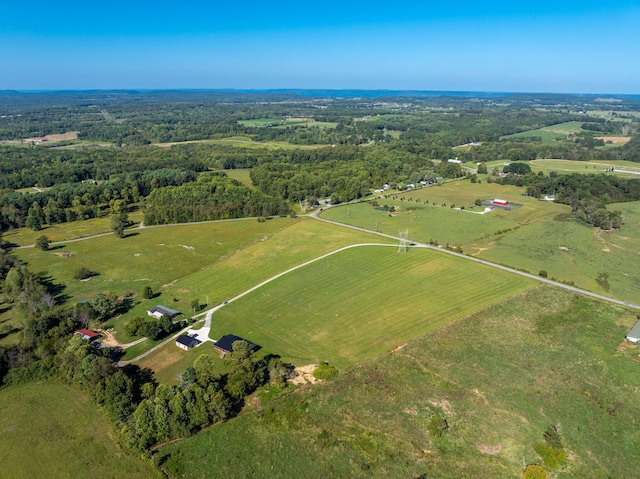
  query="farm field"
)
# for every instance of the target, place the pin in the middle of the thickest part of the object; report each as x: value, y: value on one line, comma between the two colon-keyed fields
x: 361, y: 302
x: 242, y: 175
x: 66, y: 231
x: 549, y: 134
x: 630, y: 168
x: 245, y: 142
x: 215, y: 260
x: 500, y: 378
x: 537, y: 236
x: 416, y: 212
x: 50, y: 430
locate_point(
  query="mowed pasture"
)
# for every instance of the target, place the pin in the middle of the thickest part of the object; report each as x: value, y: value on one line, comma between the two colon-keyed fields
x: 66, y: 231
x: 50, y: 430
x: 549, y: 134
x: 621, y: 168
x: 245, y: 142
x: 361, y: 302
x: 539, y: 235
x: 242, y: 175
x: 213, y: 261
x: 429, y: 213
x: 500, y: 377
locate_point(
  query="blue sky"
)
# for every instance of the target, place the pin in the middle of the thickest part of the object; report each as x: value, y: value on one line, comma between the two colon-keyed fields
x: 570, y: 46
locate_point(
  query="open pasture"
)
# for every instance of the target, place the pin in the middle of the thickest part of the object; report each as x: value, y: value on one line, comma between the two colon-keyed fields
x: 621, y: 168
x: 540, y: 235
x: 500, y: 377
x: 361, y: 302
x: 245, y: 142
x: 213, y: 261
x: 50, y: 430
x: 66, y: 231
x: 242, y: 175
x: 549, y: 134
x: 415, y: 211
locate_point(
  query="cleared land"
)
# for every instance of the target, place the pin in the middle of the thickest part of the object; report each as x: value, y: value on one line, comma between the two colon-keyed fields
x: 622, y: 168
x: 550, y: 134
x: 500, y: 378
x: 245, y: 142
x: 242, y: 175
x: 537, y: 236
x: 361, y: 302
x: 180, y: 263
x: 49, y: 430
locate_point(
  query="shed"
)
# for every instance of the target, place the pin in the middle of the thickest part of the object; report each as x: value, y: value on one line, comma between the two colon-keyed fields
x: 187, y: 342
x: 500, y: 202
x: 158, y: 311
x: 634, y: 334
x: 87, y: 334
x: 225, y: 344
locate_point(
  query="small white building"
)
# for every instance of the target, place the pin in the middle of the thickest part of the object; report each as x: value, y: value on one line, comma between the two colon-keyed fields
x: 634, y: 334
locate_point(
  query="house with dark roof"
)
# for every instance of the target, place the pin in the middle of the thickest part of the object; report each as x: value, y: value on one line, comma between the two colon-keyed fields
x: 187, y: 342
x: 87, y: 334
x: 224, y: 345
x: 158, y: 311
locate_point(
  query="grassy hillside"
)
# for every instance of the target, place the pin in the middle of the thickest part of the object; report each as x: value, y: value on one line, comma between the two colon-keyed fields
x: 500, y: 378
x: 49, y: 430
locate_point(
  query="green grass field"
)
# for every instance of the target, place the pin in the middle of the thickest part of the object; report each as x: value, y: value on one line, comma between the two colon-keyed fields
x: 499, y: 377
x: 65, y: 231
x: 539, y: 235
x: 50, y: 430
x: 215, y: 260
x: 242, y: 175
x: 361, y: 302
x: 549, y: 134
x: 630, y: 168
x: 245, y: 142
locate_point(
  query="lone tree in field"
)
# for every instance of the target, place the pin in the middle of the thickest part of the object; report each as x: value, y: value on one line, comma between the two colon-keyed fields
x: 195, y: 304
x: 147, y: 292
x: 118, y: 223
x: 43, y: 243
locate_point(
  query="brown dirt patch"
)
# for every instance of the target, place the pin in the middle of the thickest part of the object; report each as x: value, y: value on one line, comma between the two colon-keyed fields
x: 182, y: 290
x: 304, y: 374
x: 616, y: 140
x: 626, y: 345
x: 70, y: 135
x: 492, y: 450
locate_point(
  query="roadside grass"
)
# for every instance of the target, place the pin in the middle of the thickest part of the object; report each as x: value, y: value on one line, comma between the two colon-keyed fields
x: 499, y: 377
x: 360, y: 302
x: 50, y: 430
